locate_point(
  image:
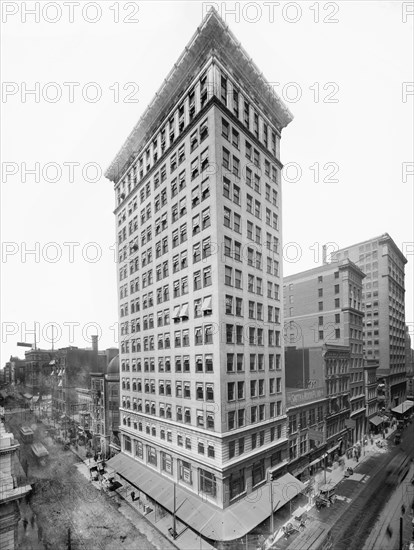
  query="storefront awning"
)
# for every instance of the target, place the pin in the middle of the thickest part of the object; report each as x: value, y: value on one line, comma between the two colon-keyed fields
x: 376, y: 420
x: 216, y: 524
x: 317, y: 460
x: 403, y: 407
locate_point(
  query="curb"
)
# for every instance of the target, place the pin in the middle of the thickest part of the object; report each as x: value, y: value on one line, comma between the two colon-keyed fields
x: 148, y: 521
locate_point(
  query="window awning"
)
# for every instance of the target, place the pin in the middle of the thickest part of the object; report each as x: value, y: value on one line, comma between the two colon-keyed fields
x: 376, y: 420
x: 184, y: 311
x: 35, y: 398
x: 207, y: 305
x: 221, y: 525
x: 52, y: 362
x: 404, y: 407
x: 27, y: 395
x: 60, y: 383
x: 176, y: 314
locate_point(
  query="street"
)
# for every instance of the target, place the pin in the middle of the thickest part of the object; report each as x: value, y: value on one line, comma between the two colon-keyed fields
x: 65, y: 510
x: 371, y: 500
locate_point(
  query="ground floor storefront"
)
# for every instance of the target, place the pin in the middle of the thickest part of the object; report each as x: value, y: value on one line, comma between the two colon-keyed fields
x: 163, y: 497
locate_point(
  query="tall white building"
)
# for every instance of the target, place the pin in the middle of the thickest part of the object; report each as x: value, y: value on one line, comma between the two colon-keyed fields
x: 198, y: 217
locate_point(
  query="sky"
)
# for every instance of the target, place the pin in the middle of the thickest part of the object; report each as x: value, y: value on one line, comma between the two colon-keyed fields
x: 75, y: 80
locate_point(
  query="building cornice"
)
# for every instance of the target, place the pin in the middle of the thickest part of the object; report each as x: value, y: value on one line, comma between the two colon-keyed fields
x: 212, y: 39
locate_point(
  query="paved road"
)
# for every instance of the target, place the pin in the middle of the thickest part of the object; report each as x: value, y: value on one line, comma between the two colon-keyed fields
x: 354, y: 521
x: 64, y: 500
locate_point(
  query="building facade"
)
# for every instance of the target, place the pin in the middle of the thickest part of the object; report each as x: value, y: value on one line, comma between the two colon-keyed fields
x: 306, y: 409
x: 104, y: 409
x: 11, y: 489
x: 323, y: 307
x: 198, y: 210
x: 37, y: 371
x: 371, y: 392
x: 409, y: 364
x: 383, y: 302
x: 69, y: 374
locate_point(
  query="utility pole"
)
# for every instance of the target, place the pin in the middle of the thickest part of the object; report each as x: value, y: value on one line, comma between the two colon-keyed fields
x: 272, y: 525
x: 174, y: 518
x: 401, y: 534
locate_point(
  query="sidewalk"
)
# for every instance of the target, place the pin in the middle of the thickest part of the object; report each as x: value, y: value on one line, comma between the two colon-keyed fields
x: 186, y: 539
x: 334, y: 476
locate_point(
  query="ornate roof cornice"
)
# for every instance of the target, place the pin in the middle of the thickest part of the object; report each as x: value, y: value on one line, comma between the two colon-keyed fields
x: 212, y: 39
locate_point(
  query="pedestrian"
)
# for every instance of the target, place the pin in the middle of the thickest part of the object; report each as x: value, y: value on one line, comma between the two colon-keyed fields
x: 132, y: 496
x: 32, y: 520
x: 25, y: 524
x: 39, y: 533
x: 389, y: 532
x: 403, y: 509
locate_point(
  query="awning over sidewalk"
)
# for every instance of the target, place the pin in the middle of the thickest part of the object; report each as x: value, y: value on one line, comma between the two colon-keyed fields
x: 317, y: 460
x: 404, y: 407
x: 376, y: 420
x: 214, y: 523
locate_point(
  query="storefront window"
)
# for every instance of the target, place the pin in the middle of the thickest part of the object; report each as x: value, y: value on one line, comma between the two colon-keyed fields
x: 237, y: 484
x: 139, y: 451
x: 207, y: 483
x: 258, y: 472
x: 185, y: 472
x: 166, y: 463
x: 127, y: 444
x: 151, y: 455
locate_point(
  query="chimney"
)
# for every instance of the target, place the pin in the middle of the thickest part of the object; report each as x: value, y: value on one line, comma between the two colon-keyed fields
x: 324, y: 259
x: 95, y: 343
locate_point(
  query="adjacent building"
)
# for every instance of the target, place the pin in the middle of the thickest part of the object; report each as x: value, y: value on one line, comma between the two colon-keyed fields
x: 16, y: 370
x: 70, y: 379
x: 12, y: 489
x: 323, y: 309
x: 307, y: 407
x: 37, y: 371
x: 371, y: 395
x: 104, y: 409
x: 383, y: 304
x: 409, y: 364
x: 198, y: 220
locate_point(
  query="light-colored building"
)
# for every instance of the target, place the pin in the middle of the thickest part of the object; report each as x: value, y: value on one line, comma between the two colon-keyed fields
x: 383, y: 302
x: 10, y: 490
x: 323, y: 306
x: 198, y: 217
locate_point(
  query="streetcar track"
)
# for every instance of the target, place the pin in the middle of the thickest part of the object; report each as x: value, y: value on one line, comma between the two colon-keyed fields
x: 348, y: 528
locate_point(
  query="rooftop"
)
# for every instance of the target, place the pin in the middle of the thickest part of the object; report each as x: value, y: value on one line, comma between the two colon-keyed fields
x: 332, y: 266
x: 382, y: 239
x: 212, y: 38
